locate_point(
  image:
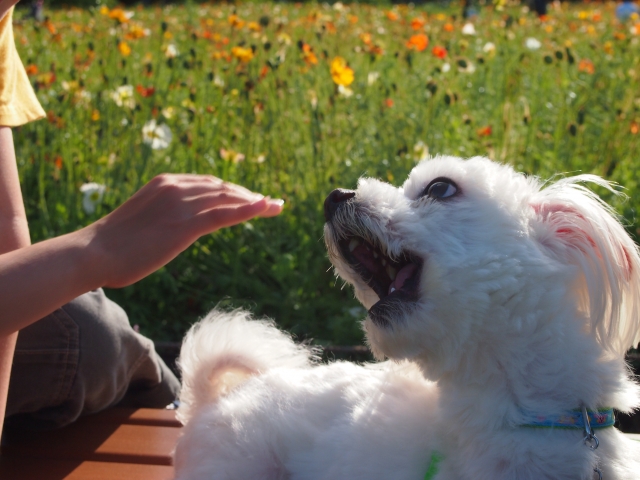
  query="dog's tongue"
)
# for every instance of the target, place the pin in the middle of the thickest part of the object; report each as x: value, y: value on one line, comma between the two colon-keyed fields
x: 402, y: 276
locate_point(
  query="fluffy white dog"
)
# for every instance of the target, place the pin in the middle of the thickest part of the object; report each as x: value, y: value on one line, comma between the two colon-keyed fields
x: 505, y: 307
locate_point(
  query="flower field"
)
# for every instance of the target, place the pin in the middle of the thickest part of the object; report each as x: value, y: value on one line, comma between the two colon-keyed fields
x: 294, y: 100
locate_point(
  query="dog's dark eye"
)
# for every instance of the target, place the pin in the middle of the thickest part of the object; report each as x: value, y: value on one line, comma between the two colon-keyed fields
x: 440, y: 188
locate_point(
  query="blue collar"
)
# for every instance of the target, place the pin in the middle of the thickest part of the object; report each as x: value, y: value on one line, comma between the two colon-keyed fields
x: 573, y: 419
x: 600, y: 418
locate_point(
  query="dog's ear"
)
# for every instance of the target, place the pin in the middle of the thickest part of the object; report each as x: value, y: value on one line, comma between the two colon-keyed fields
x: 576, y: 227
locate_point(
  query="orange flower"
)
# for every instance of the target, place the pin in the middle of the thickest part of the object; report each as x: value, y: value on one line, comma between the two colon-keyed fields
x: 447, y: 27
x: 391, y: 15
x: 50, y: 26
x: 341, y: 73
x: 32, y: 69
x: 308, y: 55
x: 439, y: 51
x: 353, y: 19
x: 417, y: 23
x: 484, y: 131
x: 388, y: 103
x: 635, y: 128
x: 124, y: 48
x: 254, y: 26
x: 58, y: 162
x: 135, y: 32
x: 418, y: 42
x: 235, y: 21
x: 587, y: 66
x: 119, y: 14
x: 95, y: 115
x: 619, y: 36
x: 366, y: 38
x: 263, y: 71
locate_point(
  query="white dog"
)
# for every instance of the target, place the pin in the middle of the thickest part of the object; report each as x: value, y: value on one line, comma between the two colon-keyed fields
x: 505, y: 307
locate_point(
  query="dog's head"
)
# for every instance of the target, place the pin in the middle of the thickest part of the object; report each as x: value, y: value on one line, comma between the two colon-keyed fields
x: 469, y: 253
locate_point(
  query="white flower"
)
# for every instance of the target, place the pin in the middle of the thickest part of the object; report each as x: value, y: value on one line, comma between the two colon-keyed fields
x: 489, y: 47
x: 532, y: 43
x: 446, y: 67
x: 468, y: 29
x: 93, y: 193
x: 156, y: 136
x: 168, y: 112
x: 372, y: 78
x: 218, y: 81
x: 171, y: 51
x: 345, y: 92
x: 420, y: 150
x: 123, y: 96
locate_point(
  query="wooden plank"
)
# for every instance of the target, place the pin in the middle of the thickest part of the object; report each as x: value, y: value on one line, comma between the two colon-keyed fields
x: 12, y: 468
x: 101, y: 442
x: 133, y: 416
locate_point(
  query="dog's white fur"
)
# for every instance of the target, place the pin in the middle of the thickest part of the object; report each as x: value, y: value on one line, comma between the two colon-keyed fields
x: 528, y: 299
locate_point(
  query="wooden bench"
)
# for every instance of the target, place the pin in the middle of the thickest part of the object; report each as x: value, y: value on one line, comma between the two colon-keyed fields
x: 116, y: 444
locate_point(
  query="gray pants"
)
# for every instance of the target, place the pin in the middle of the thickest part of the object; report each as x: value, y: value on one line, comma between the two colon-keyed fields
x: 81, y: 359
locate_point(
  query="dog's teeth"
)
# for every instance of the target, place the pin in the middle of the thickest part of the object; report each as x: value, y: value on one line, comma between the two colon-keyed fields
x: 392, y: 272
x: 353, y: 244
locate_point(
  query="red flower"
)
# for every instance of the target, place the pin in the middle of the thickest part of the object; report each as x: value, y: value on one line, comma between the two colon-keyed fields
x: 439, y: 51
x: 145, y: 92
x: 484, y: 131
x: 388, y: 102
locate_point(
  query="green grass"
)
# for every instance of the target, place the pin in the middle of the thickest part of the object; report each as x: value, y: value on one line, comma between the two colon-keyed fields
x: 571, y: 105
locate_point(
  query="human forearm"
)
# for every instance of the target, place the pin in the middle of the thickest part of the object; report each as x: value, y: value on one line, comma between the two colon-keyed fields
x: 37, y: 279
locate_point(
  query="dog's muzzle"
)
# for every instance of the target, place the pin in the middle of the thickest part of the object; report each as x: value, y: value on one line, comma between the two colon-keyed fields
x: 394, y: 278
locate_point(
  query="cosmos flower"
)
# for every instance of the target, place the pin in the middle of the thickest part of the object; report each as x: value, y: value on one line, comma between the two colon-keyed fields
x: 242, y: 54
x: 418, y: 42
x: 439, y: 52
x: 341, y: 73
x: 92, y: 196
x: 468, y: 29
x: 157, y: 136
x: 171, y: 51
x: 532, y: 43
x: 124, y: 49
x: 123, y: 96
x: 231, y: 155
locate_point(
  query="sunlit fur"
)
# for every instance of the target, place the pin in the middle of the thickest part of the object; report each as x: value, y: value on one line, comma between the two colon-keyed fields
x: 528, y: 299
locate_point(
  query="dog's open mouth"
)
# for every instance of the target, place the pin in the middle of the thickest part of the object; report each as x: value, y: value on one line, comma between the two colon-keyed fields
x: 391, y: 279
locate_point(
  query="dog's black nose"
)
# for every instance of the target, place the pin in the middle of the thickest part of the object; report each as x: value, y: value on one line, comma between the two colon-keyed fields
x: 333, y: 201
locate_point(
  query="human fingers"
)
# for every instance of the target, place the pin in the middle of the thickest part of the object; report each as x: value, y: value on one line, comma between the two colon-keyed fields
x: 227, y: 215
x: 274, y: 207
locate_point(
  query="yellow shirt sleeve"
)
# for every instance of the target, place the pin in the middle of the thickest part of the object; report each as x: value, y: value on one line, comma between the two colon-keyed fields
x: 18, y: 102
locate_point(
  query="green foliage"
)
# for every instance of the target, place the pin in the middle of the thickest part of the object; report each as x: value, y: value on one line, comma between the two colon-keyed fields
x: 571, y: 105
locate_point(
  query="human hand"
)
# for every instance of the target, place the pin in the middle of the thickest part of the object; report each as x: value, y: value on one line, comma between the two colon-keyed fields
x: 162, y: 219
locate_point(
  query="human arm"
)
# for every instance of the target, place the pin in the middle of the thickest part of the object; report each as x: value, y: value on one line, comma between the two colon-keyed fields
x: 146, y: 232
x: 14, y: 234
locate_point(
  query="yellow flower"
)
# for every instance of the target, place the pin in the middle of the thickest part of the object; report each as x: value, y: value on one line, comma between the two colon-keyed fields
x: 124, y: 48
x: 242, y: 54
x: 254, y: 26
x: 341, y: 73
x: 95, y: 115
